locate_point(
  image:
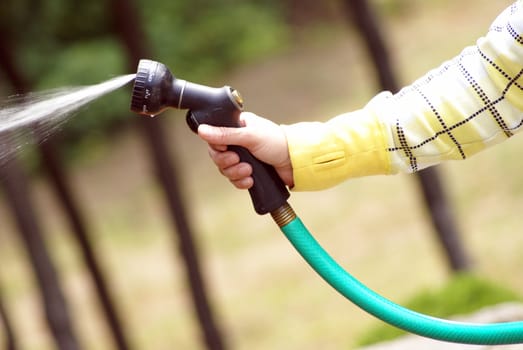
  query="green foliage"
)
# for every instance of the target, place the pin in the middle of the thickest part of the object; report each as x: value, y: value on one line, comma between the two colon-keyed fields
x: 463, y: 294
x: 202, y: 38
x: 72, y: 42
x: 87, y: 63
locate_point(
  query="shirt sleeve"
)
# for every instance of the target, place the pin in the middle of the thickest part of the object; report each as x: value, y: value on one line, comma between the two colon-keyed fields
x: 456, y: 110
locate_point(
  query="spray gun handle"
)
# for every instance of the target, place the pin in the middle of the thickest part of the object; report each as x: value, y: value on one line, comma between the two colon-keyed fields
x: 268, y: 192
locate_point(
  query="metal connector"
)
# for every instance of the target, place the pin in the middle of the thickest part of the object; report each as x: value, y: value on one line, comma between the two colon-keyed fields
x: 283, y: 215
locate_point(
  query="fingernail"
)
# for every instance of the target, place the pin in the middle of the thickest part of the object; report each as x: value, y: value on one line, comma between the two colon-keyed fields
x: 204, y: 129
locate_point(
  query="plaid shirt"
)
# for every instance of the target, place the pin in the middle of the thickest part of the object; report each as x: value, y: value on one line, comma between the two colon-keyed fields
x: 466, y: 105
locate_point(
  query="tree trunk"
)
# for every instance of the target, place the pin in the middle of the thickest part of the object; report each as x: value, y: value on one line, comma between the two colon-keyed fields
x: 431, y: 185
x: 17, y: 193
x: 60, y: 184
x: 128, y: 27
x: 10, y: 340
x: 55, y: 306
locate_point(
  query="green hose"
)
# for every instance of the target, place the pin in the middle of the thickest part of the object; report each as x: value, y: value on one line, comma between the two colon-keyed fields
x: 352, y: 289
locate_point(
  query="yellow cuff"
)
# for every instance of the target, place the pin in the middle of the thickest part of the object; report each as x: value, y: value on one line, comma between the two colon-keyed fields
x: 325, y: 154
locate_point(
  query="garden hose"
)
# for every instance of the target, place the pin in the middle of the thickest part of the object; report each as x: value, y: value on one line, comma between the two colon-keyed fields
x: 384, y: 309
x: 156, y: 89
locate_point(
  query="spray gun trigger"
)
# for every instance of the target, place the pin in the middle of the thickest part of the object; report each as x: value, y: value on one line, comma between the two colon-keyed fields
x: 192, y: 121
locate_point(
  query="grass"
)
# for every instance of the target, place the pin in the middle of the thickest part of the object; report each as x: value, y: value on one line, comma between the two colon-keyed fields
x: 264, y: 295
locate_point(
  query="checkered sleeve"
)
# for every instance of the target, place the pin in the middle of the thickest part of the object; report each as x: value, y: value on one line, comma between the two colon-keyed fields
x: 454, y: 111
x: 464, y: 106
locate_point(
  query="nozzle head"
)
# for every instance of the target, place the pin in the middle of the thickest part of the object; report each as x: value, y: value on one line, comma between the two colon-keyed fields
x: 153, y: 88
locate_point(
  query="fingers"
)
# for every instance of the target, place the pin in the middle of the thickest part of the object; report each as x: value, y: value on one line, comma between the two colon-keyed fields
x: 218, y: 148
x: 264, y: 139
x: 243, y: 184
x: 228, y: 162
x: 222, y: 158
x: 221, y: 135
x: 232, y: 136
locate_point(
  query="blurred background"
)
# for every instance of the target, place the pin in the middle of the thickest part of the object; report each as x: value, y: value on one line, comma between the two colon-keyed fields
x: 131, y: 211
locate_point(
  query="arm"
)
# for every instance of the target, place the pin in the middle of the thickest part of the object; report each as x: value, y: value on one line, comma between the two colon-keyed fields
x: 464, y: 106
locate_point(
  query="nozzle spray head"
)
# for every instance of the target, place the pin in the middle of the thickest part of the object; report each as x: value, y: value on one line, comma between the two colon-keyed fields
x: 153, y: 88
x: 156, y: 89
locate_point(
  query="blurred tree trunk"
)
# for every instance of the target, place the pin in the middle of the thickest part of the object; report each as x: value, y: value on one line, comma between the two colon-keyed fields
x: 128, y: 27
x: 303, y: 12
x: 55, y: 306
x: 10, y: 341
x: 58, y: 178
x: 360, y: 13
x: 17, y: 193
x: 79, y: 230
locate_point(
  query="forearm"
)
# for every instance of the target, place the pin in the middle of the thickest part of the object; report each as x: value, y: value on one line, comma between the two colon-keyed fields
x: 325, y: 154
x: 453, y: 112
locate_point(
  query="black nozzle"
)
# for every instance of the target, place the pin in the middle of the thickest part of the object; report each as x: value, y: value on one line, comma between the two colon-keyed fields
x: 156, y: 89
x: 153, y: 88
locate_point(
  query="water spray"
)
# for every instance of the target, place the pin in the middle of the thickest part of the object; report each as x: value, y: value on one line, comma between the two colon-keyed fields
x: 34, y: 117
x: 156, y: 89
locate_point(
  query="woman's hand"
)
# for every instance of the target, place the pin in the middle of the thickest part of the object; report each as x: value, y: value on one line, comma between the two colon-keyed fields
x: 262, y: 137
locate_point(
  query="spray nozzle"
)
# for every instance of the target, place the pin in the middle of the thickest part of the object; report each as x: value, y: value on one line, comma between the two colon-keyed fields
x: 155, y: 89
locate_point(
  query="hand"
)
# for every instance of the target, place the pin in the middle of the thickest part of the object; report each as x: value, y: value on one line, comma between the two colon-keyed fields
x: 263, y: 138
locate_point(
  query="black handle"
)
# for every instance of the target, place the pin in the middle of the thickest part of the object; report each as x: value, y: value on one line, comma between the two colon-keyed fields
x: 268, y: 192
